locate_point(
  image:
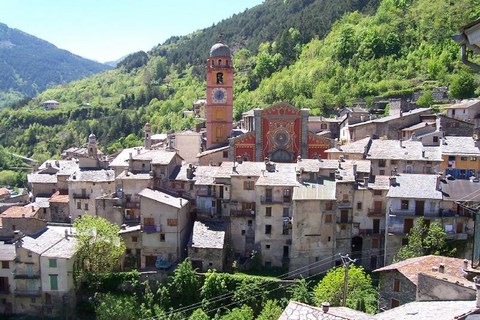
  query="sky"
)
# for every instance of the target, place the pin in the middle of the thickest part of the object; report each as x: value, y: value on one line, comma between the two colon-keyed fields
x: 106, y: 30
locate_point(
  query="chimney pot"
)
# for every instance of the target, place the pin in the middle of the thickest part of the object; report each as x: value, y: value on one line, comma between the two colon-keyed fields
x: 441, y: 268
x: 325, y: 306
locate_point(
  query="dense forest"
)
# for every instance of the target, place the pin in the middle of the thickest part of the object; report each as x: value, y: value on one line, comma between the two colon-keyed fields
x: 313, y: 54
x: 29, y: 65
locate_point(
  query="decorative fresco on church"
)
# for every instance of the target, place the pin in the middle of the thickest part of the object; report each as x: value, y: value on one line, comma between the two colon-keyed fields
x: 281, y: 133
x: 317, y: 146
x: 245, y: 146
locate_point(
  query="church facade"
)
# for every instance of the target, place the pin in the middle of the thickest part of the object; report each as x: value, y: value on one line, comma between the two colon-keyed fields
x: 279, y: 132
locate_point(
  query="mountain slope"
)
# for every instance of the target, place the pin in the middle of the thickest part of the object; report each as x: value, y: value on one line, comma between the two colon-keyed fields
x: 29, y: 65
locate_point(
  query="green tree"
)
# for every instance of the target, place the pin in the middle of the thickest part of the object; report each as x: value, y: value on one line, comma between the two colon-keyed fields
x: 215, y: 285
x: 243, y: 313
x: 423, y: 240
x: 463, y: 86
x: 271, y: 311
x: 251, y: 293
x: 299, y: 291
x: 198, y: 314
x: 113, y: 307
x: 426, y: 99
x: 361, y: 294
x: 184, y: 285
x: 99, y: 246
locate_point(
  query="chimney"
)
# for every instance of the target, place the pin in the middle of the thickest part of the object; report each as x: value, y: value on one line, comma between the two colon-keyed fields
x: 325, y: 306
x: 477, y: 286
x: 441, y: 268
x: 355, y: 171
x: 123, y: 227
x: 423, y: 153
x: 148, y: 140
x: 33, y: 209
x: 365, y: 181
x: 401, y: 143
x: 465, y: 264
x: 393, y: 181
x: 130, y: 160
x: 66, y: 233
x: 126, y: 172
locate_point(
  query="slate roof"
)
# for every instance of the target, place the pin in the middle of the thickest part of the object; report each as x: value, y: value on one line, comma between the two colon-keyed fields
x: 93, y: 176
x: 459, y: 146
x: 428, y: 310
x: 284, y: 175
x: 464, y: 104
x: 64, y: 249
x: 59, y: 198
x: 419, y: 125
x: 392, y: 117
x: 134, y: 176
x: 210, y: 151
x: 380, y: 183
x: 167, y: 199
x: 121, y: 160
x: 346, y: 170
x: 410, y: 268
x: 403, y: 150
x: 460, y: 190
x: 246, y: 168
x: 415, y: 186
x: 44, y: 240
x: 160, y: 157
x: 41, y: 178
x: 208, y: 234
x: 300, y: 311
x: 351, y: 147
x: 322, y: 190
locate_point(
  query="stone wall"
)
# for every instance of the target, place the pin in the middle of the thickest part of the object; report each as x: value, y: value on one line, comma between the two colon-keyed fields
x: 406, y: 294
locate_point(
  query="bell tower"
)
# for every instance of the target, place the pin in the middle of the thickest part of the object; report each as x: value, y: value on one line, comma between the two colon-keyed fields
x: 219, y: 110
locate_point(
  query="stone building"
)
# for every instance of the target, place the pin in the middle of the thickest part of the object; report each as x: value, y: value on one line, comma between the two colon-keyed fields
x: 207, y: 246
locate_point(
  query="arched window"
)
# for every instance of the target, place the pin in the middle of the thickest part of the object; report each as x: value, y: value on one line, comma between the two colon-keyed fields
x: 219, y: 62
x: 219, y: 78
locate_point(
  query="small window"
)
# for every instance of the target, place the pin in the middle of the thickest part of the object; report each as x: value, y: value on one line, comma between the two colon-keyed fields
x: 5, y: 264
x: 86, y: 206
x: 463, y: 158
x: 162, y: 237
x: 79, y: 205
x: 225, y: 154
x: 267, y: 246
x: 52, y: 263
x: 382, y: 172
x: 172, y: 222
x: 377, y: 192
x: 243, y: 232
x: 374, y: 243
x: 54, y: 282
x: 268, y: 229
x: 435, y: 139
x: 29, y: 254
x: 396, y: 285
x: 268, y: 211
x: 134, y: 239
x: 249, y: 185
x: 329, y: 205
x: 249, y: 222
x: 404, y: 241
x: 473, y: 158
x: 394, y: 303
x: 286, y: 212
x: 359, y: 206
x: 404, y: 205
x: 328, y: 218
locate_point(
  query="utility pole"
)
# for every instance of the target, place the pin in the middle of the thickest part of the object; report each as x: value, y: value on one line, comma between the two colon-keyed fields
x: 346, y: 260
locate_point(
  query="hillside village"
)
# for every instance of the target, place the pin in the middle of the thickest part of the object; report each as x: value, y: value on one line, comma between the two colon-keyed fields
x: 298, y: 189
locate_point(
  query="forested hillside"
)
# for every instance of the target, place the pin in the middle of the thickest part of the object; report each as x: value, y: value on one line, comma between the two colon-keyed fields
x: 29, y: 65
x: 395, y: 47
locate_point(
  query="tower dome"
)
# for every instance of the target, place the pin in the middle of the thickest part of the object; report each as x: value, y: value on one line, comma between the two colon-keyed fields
x: 220, y: 50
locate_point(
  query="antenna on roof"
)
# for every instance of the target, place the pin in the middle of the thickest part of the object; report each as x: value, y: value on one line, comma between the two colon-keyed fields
x: 220, y: 37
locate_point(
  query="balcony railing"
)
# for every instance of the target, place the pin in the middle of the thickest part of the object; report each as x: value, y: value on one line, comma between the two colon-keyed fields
x: 344, y: 204
x: 371, y: 232
x: 81, y: 196
x: 344, y: 220
x: 131, y: 221
x: 132, y: 205
x: 152, y: 228
x: 274, y: 200
x: 26, y: 275
x: 242, y: 213
x: 376, y: 213
x: 413, y: 213
x: 28, y: 293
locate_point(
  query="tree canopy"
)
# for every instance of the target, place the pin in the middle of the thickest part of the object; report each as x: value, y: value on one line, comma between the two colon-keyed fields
x: 99, y: 247
x: 361, y: 294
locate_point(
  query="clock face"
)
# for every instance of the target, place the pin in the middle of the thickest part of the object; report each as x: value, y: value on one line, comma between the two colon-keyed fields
x: 219, y: 95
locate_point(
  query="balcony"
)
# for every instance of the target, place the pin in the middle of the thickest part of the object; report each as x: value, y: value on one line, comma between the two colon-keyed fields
x: 28, y: 293
x: 456, y: 236
x: 206, y: 193
x: 371, y: 232
x: 152, y: 228
x: 25, y: 275
x: 412, y: 213
x: 375, y: 213
x: 344, y: 204
x: 131, y: 221
x: 132, y: 205
x: 344, y: 220
x: 242, y: 213
x: 273, y: 200
x: 81, y: 196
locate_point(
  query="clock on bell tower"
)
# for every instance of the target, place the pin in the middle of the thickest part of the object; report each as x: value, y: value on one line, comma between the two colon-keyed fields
x: 219, y: 111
